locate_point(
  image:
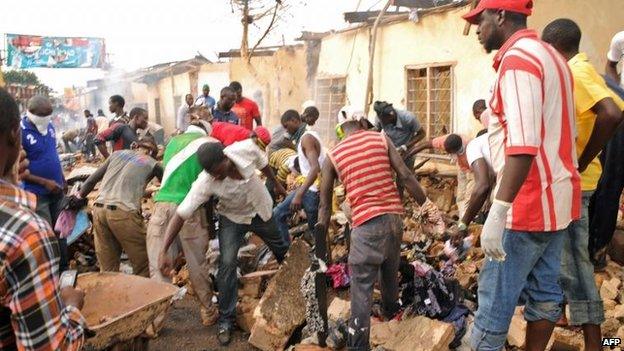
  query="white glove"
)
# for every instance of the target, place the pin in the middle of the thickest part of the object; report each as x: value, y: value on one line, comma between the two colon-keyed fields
x: 493, y: 229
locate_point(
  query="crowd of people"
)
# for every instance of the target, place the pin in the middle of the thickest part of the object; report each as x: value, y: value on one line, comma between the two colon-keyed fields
x: 533, y: 171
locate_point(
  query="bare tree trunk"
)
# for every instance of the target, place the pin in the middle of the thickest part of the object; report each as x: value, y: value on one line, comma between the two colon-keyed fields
x: 371, y: 60
x: 245, y: 43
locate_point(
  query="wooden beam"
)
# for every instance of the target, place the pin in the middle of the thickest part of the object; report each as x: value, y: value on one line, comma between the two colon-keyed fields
x: 421, y: 4
x: 366, y: 16
x: 473, y: 5
x: 230, y: 54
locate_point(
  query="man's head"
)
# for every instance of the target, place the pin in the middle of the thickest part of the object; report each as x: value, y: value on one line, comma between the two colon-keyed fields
x: 213, y: 160
x: 351, y: 120
x: 291, y: 121
x: 262, y: 137
x: 454, y: 144
x: 10, y: 138
x: 100, y: 113
x: 116, y: 104
x: 564, y: 35
x: 146, y: 145
x: 87, y: 114
x: 189, y: 99
x: 478, y: 108
x: 206, y: 90
x: 310, y: 115
x: 497, y: 20
x: 385, y: 112
x: 200, y: 126
x: 139, y: 116
x: 228, y: 99
x: 40, y: 105
x: 238, y: 88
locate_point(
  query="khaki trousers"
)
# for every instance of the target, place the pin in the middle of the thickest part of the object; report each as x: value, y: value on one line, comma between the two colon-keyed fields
x: 465, y: 184
x: 194, y: 239
x: 117, y: 230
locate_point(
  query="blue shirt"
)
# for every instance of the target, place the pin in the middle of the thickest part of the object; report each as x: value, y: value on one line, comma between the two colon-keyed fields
x: 403, y: 130
x: 207, y: 101
x: 228, y: 117
x: 42, y: 155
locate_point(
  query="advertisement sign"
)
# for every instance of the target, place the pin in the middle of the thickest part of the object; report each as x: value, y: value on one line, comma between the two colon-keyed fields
x: 28, y: 51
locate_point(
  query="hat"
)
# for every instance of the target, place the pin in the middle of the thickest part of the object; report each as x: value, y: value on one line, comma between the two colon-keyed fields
x: 524, y: 7
x: 206, y: 86
x: 349, y: 113
x: 263, y: 135
x: 383, y: 108
x: 309, y: 103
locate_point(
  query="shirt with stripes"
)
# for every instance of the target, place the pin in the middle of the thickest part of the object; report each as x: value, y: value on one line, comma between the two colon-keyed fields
x: 363, y: 166
x: 533, y: 114
x: 32, y: 315
x: 279, y: 161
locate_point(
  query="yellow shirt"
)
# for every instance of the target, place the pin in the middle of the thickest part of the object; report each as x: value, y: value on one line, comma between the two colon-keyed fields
x: 589, y: 89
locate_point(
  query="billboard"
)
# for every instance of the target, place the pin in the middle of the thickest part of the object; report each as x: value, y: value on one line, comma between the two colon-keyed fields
x: 29, y: 51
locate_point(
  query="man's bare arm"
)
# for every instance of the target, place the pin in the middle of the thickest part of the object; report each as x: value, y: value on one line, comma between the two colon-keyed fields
x: 480, y: 191
x: 93, y: 179
x: 405, y: 175
x: 328, y: 174
x: 608, y: 117
x: 516, y: 170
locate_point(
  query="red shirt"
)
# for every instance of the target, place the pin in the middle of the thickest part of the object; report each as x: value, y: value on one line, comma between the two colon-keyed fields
x: 533, y: 114
x: 363, y: 166
x: 228, y: 133
x: 246, y: 110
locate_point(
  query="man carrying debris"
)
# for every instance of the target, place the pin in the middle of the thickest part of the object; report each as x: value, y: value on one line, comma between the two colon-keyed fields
x: 598, y: 115
x: 311, y: 155
x: 478, y: 156
x: 116, y: 105
x: 36, y: 313
x: 123, y: 135
x: 364, y: 162
x: 538, y: 193
x: 117, y: 217
x: 455, y: 145
x: 181, y: 170
x: 244, y: 205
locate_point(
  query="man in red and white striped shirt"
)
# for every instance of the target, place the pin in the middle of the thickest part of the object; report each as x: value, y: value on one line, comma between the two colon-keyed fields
x: 364, y: 162
x: 532, y: 143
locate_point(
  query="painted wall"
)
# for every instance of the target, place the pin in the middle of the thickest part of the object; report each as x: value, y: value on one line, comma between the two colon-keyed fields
x: 277, y: 83
x: 166, y: 91
x: 437, y: 38
x: 216, y: 75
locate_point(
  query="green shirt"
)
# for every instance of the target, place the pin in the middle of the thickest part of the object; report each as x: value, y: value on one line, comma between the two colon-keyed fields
x: 181, y: 179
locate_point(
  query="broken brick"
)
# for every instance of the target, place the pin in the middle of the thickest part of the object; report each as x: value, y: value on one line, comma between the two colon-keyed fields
x: 566, y: 340
x: 253, y: 283
x: 414, y: 334
x: 616, y: 247
x: 609, y: 289
x: 339, y: 309
x: 282, y: 307
x: 245, y: 313
x: 517, y: 330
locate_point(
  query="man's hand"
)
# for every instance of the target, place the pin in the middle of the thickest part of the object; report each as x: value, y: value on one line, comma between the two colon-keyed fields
x: 279, y: 189
x: 76, y: 202
x: 165, y: 264
x: 53, y: 187
x: 493, y: 229
x: 458, y: 234
x: 23, y: 165
x: 73, y: 297
x: 295, y: 205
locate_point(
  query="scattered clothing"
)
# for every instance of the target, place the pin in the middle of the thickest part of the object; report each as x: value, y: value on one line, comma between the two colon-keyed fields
x: 339, y: 275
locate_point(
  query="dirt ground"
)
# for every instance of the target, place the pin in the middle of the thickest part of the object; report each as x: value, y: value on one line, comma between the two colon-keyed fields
x: 183, y: 330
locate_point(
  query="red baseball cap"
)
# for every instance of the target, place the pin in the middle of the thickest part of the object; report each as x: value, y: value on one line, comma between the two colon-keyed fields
x: 524, y: 7
x: 263, y: 135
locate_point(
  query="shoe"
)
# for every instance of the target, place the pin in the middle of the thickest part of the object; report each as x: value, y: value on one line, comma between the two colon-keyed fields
x: 224, y: 336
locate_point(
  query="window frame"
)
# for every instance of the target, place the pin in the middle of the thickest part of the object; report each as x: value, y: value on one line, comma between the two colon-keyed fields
x: 330, y: 137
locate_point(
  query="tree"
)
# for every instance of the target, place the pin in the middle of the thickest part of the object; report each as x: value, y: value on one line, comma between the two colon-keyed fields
x: 265, y: 14
x: 21, y: 77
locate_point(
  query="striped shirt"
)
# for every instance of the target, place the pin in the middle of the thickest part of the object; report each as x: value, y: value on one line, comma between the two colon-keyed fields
x: 533, y: 114
x: 32, y: 314
x: 363, y: 166
x: 279, y: 161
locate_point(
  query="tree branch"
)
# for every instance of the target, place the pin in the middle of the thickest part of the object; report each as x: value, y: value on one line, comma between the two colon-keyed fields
x: 266, y: 32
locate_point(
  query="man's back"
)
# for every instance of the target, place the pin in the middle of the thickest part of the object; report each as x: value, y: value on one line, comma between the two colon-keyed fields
x: 29, y: 262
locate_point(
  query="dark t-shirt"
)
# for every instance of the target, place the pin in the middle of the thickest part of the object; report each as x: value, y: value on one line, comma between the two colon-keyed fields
x: 122, y: 136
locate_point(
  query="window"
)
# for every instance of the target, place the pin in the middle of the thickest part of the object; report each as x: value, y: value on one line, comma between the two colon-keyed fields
x: 430, y: 97
x: 157, y: 109
x: 330, y: 98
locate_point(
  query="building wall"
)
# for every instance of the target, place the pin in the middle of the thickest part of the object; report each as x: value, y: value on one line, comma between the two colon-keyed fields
x: 277, y: 83
x: 437, y: 38
x: 166, y: 92
x: 216, y: 75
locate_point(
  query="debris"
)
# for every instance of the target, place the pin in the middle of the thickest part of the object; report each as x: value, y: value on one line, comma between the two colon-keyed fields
x: 566, y: 340
x: 245, y: 313
x: 616, y: 247
x: 414, y: 334
x: 339, y: 309
x: 282, y: 308
x: 609, y: 289
x: 517, y: 329
x: 253, y: 283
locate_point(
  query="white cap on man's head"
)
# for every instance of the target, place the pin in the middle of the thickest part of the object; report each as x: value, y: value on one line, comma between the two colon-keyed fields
x: 350, y: 113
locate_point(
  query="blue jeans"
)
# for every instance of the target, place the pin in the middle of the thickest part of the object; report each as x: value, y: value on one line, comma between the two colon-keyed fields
x: 282, y: 212
x: 577, y: 272
x: 231, y: 237
x: 529, y: 275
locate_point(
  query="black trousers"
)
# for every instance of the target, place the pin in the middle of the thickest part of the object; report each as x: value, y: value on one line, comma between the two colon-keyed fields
x: 604, y: 204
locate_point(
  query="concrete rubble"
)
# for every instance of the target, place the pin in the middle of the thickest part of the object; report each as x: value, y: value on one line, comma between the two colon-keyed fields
x: 415, y: 334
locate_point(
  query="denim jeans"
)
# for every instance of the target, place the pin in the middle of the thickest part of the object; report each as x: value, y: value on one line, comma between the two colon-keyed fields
x: 231, y: 237
x: 49, y: 207
x: 282, y: 212
x: 577, y: 272
x: 375, y: 253
x: 605, y: 203
x: 529, y: 275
